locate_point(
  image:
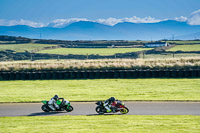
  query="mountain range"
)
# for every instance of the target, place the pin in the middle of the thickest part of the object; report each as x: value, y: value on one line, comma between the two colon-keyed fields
x: 87, y: 30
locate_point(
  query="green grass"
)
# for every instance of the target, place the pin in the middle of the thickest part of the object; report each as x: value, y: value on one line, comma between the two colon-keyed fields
x: 89, y: 51
x: 23, y: 47
x: 101, y: 124
x: 184, y: 42
x: 101, y: 89
x: 195, y: 47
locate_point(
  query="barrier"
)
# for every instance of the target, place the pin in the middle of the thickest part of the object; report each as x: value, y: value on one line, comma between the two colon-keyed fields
x: 97, y: 74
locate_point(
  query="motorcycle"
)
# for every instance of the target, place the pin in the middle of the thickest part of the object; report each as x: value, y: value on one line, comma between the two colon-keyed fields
x: 63, y: 105
x: 117, y: 106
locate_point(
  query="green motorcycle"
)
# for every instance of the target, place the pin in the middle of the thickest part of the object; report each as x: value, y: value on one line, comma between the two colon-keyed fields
x: 63, y: 105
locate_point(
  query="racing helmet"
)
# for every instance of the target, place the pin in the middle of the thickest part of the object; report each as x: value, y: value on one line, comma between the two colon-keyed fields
x: 56, y: 97
x: 112, y: 99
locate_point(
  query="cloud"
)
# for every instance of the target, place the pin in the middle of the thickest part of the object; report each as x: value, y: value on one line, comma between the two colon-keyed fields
x: 59, y: 23
x: 109, y: 21
x: 194, y: 18
x: 134, y: 19
x: 181, y: 19
x: 20, y: 22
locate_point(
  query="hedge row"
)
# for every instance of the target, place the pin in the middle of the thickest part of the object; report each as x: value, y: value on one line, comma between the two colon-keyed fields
x: 40, y: 75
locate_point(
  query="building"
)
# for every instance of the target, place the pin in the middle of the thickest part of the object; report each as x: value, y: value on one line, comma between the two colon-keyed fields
x: 156, y: 44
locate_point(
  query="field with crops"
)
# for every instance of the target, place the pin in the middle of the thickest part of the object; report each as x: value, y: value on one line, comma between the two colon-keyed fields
x: 171, y: 63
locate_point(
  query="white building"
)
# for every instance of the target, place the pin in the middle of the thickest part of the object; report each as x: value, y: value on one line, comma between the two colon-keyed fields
x: 155, y: 44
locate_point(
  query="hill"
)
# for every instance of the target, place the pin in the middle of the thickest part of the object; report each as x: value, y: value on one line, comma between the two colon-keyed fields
x: 86, y: 30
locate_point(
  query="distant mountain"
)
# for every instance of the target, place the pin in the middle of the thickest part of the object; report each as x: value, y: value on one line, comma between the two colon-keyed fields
x: 86, y: 30
x: 189, y: 36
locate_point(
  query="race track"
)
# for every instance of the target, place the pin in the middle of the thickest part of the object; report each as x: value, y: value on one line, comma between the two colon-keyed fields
x: 88, y: 108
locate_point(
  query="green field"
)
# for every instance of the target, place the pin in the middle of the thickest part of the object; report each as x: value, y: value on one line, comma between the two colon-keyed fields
x: 89, y: 51
x: 23, y: 47
x: 101, y: 124
x: 185, y: 42
x: 195, y: 47
x: 101, y: 89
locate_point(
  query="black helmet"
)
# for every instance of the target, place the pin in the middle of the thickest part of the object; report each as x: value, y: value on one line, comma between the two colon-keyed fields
x: 112, y: 99
x: 56, y: 97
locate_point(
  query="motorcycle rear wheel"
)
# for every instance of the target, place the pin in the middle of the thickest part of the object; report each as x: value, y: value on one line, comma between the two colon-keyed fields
x: 99, y: 110
x: 44, y: 108
x: 124, y: 110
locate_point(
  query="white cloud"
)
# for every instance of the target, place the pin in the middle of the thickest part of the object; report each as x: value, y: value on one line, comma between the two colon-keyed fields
x: 181, y: 19
x: 20, y: 22
x: 134, y: 19
x: 194, y: 18
x: 109, y: 21
x: 59, y: 23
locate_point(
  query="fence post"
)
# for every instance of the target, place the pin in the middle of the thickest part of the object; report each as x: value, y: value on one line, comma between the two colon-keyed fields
x: 143, y: 55
x: 31, y: 57
x: 87, y: 56
x: 58, y: 58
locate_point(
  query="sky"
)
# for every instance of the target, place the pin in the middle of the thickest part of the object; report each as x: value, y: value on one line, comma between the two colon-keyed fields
x: 56, y: 13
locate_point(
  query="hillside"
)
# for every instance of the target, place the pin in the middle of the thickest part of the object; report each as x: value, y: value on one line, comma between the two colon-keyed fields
x: 86, y: 30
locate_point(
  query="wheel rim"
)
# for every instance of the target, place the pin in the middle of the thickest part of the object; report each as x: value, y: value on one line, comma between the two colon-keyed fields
x: 124, y: 111
x: 99, y: 111
x: 69, y: 109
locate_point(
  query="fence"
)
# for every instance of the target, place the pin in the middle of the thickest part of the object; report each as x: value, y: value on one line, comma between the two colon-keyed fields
x: 98, y: 74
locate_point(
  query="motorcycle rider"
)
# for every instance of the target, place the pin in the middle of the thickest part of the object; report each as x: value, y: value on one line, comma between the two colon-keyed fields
x: 52, y: 103
x: 107, y: 104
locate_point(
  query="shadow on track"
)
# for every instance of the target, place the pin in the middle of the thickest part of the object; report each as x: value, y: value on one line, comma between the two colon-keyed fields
x: 45, y: 113
x: 103, y: 114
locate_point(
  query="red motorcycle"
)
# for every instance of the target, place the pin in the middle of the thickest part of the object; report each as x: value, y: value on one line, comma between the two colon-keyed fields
x: 117, y: 106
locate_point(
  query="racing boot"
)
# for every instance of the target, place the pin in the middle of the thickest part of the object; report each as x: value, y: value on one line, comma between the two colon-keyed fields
x: 108, y: 109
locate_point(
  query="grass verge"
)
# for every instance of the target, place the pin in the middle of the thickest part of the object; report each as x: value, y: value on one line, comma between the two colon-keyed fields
x: 101, y: 89
x: 107, y: 123
x: 104, y: 64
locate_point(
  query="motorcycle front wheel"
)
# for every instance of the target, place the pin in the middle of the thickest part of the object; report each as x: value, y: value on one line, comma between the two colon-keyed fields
x: 69, y: 109
x: 99, y: 110
x: 125, y: 110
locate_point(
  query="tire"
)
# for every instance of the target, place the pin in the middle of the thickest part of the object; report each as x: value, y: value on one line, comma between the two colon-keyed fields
x: 44, y: 108
x: 69, y: 109
x: 99, y: 110
x: 125, y: 110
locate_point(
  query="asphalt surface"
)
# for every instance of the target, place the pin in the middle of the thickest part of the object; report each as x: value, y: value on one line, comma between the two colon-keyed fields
x: 88, y: 108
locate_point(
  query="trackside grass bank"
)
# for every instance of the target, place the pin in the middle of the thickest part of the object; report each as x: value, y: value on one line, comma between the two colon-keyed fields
x: 107, y: 123
x: 101, y: 89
